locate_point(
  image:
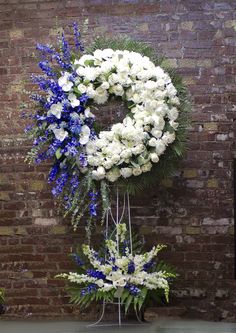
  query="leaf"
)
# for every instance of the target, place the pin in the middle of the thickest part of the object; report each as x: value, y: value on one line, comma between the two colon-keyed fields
x: 58, y: 153
x: 77, y: 91
x: 128, y: 303
x: 89, y: 63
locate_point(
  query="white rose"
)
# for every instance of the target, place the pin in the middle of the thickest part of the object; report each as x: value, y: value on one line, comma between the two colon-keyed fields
x: 113, y: 79
x: 106, y: 66
x: 113, y: 174
x: 168, y: 138
x: 82, y: 88
x: 105, y: 85
x: 152, y: 142
x: 154, y: 157
x: 90, y: 147
x: 101, y: 96
x: 171, y: 90
x: 174, y: 125
x: 126, y: 172
x: 158, y: 122
x: 150, y: 85
x: 146, y: 167
x: 107, y: 164
x: 117, y: 90
x: 155, y: 132
x: 173, y: 113
x: 138, y: 149
x: 175, y: 100
x: 90, y: 91
x: 107, y: 287
x: 115, y: 158
x: 99, y: 173
x: 160, y: 147
x: 90, y: 73
x: 92, y: 160
x: 126, y: 153
x: 137, y: 171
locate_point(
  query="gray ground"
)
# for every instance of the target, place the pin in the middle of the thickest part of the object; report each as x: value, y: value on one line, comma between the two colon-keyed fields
x: 162, y: 326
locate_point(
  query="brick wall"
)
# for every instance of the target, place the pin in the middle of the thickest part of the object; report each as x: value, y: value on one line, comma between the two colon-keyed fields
x: 192, y: 212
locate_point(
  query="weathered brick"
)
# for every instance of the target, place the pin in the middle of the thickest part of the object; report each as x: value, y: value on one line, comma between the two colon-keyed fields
x: 190, y: 173
x: 192, y: 230
x: 211, y: 126
x: 6, y: 231
x: 213, y: 183
x: 191, y: 212
x: 45, y: 221
x: 187, y: 25
x: 36, y: 185
x: 16, y: 34
x: 59, y: 230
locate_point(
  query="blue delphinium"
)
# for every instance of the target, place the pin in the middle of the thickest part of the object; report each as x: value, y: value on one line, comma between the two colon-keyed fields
x: 77, y: 259
x: 96, y: 274
x: 131, y: 267
x: 93, y: 203
x: 148, y: 265
x: 89, y: 290
x: 60, y: 183
x: 133, y: 290
x: 68, y: 154
x: 53, y: 172
x: 77, y: 35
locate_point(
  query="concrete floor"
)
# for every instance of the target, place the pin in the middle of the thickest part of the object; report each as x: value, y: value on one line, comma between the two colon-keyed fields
x: 162, y: 326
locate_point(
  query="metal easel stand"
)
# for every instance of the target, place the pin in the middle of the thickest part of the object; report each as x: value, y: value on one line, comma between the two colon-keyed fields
x: 116, y: 221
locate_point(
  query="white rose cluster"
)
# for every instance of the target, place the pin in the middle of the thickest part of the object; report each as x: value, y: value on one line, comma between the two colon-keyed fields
x: 132, y: 146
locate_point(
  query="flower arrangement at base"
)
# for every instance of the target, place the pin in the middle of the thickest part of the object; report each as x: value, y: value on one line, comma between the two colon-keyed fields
x: 132, y: 277
x: 148, y: 143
